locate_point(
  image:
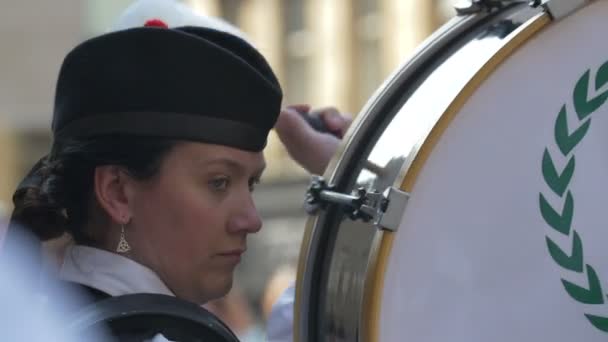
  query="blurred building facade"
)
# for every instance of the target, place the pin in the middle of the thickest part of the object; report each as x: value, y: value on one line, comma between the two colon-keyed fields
x: 325, y: 52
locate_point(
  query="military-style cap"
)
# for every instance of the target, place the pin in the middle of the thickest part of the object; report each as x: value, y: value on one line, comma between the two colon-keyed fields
x: 185, y: 83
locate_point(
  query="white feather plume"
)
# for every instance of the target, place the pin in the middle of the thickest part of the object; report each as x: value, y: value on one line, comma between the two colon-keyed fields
x: 172, y: 13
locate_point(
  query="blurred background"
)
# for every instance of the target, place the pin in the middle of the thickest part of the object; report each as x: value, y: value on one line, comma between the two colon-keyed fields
x: 325, y: 52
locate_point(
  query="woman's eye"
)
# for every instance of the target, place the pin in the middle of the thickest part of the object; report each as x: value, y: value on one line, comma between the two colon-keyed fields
x: 219, y: 184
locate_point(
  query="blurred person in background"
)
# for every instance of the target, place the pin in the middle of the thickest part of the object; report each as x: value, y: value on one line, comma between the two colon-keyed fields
x: 28, y: 314
x: 300, y: 138
x: 158, y: 140
x: 234, y: 310
x: 281, y: 280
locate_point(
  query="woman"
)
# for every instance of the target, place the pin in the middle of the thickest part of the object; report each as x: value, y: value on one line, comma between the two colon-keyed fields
x: 158, y: 140
x: 145, y: 154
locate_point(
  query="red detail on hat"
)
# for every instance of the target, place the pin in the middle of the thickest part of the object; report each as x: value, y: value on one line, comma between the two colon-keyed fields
x: 156, y: 23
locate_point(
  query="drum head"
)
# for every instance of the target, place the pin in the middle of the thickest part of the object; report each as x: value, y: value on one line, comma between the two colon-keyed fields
x: 501, y: 238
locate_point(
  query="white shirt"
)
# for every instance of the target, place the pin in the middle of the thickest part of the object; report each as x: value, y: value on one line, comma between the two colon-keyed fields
x: 110, y: 273
x: 117, y: 275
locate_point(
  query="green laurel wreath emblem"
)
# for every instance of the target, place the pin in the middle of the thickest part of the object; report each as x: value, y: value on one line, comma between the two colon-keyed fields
x: 560, y: 218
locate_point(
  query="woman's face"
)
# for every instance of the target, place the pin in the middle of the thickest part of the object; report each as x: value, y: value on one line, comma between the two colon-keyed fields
x: 190, y: 222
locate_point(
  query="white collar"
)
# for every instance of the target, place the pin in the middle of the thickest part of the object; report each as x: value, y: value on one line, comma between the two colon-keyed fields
x: 109, y: 272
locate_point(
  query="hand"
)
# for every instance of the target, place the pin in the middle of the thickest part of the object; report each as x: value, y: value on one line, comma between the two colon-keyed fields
x: 311, y: 149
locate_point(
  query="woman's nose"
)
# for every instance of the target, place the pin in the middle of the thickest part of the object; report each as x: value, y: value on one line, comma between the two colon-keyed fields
x: 246, y: 220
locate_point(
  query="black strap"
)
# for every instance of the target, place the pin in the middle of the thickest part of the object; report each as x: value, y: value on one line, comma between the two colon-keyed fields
x: 141, y: 316
x: 95, y: 294
x: 86, y: 295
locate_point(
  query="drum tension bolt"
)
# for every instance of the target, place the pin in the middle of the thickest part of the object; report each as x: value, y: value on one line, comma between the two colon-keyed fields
x: 365, y: 206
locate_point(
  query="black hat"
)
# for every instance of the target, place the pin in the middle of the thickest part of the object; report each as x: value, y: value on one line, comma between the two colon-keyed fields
x: 186, y: 83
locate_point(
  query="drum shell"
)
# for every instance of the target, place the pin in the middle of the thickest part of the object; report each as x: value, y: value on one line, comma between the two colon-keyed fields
x: 337, y: 253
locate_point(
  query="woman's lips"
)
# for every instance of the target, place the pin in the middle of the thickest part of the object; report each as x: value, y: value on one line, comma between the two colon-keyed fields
x: 233, y: 255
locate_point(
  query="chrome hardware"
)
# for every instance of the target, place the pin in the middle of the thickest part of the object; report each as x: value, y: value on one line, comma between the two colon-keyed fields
x: 559, y: 9
x: 383, y: 210
x: 397, y: 201
x: 465, y: 7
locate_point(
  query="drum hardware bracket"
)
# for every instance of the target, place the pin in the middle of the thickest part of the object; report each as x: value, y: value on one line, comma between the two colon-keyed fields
x: 476, y: 6
x: 382, y: 209
x: 559, y: 9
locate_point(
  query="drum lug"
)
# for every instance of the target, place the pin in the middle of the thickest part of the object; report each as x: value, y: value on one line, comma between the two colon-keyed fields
x: 382, y: 209
x: 559, y: 9
x: 391, y: 217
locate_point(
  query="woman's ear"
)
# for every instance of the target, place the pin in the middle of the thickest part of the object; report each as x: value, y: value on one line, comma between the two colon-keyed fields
x: 112, y: 188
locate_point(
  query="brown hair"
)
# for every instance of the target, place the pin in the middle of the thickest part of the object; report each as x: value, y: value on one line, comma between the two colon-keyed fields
x: 56, y: 195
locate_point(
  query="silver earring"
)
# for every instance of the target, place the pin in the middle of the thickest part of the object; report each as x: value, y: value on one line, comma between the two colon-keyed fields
x: 123, y: 245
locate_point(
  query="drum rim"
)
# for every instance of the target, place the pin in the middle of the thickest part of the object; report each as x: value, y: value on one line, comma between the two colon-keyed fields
x: 336, y: 168
x: 437, y: 44
x: 374, y: 279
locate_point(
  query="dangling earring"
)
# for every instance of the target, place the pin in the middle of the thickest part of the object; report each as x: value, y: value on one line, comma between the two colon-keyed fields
x: 123, y: 245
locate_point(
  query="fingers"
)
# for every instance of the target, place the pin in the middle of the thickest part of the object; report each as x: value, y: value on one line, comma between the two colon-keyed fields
x: 291, y: 125
x: 311, y: 149
x: 337, y: 123
x: 303, y: 108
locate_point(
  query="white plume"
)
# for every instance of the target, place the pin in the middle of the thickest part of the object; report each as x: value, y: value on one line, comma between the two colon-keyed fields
x: 172, y: 13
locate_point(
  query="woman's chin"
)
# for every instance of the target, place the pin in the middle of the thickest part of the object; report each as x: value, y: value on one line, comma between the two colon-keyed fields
x: 214, y: 288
